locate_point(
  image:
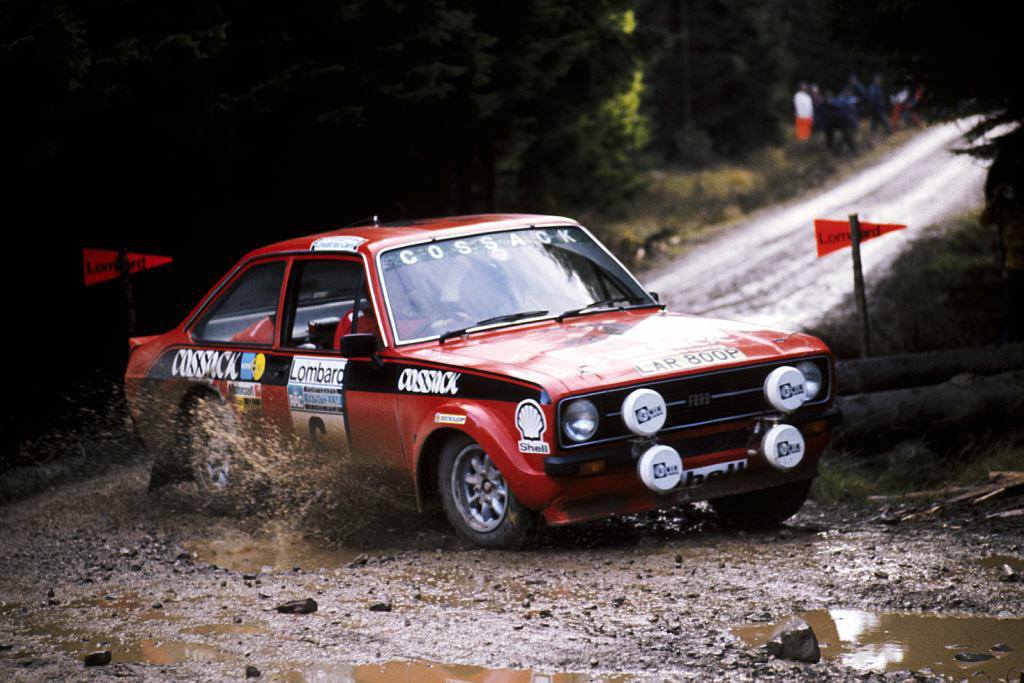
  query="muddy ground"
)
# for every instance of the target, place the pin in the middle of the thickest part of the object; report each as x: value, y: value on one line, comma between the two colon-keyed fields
x: 175, y: 593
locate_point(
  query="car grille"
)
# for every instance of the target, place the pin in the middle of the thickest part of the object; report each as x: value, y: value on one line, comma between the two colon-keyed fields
x: 695, y: 400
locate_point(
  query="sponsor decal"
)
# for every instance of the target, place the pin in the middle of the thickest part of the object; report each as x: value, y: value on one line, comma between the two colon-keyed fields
x: 704, y: 475
x: 695, y: 358
x: 664, y: 469
x: 648, y: 413
x: 341, y: 243
x: 786, y: 449
x: 449, y: 419
x: 253, y: 365
x: 499, y: 245
x: 205, y: 364
x: 315, y: 385
x: 248, y: 396
x: 532, y: 424
x: 787, y: 390
x: 419, y: 381
x: 326, y: 372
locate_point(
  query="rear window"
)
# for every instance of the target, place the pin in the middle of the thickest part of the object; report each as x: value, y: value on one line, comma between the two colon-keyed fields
x: 246, y: 313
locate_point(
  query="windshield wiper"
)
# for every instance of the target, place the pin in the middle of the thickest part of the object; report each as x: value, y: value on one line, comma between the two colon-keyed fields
x: 600, y: 304
x: 605, y: 305
x: 506, y: 318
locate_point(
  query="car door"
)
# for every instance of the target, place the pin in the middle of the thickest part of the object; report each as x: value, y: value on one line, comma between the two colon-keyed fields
x: 322, y: 296
x: 234, y: 340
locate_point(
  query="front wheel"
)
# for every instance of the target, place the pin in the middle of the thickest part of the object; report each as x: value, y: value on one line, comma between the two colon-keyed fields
x: 762, y: 509
x: 478, y: 501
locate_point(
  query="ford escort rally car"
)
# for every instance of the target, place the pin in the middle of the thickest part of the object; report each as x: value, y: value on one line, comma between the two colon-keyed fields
x: 506, y: 367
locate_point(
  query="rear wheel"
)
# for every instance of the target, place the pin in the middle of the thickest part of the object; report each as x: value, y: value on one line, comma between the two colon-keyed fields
x: 211, y: 442
x: 762, y: 509
x: 478, y: 501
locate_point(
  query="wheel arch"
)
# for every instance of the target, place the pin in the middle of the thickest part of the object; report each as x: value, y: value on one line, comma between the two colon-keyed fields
x: 193, y: 393
x: 427, y: 493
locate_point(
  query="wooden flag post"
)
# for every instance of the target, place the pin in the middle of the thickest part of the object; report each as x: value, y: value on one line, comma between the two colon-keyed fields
x: 126, y: 281
x: 858, y: 287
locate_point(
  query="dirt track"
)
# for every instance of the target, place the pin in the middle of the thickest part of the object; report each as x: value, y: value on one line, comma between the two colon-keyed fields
x: 634, y: 596
x: 766, y: 269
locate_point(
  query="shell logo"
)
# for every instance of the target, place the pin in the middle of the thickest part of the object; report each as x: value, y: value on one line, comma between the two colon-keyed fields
x: 532, y: 424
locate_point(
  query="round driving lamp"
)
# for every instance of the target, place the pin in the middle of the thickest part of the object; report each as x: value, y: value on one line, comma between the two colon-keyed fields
x: 579, y: 419
x: 812, y: 379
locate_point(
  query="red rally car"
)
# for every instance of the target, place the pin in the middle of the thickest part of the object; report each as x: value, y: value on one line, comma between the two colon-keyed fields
x: 507, y: 367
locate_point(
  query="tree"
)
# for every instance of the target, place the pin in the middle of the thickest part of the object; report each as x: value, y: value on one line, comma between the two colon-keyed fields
x: 720, y: 75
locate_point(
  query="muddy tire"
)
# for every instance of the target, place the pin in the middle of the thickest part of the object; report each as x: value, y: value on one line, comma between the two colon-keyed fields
x: 212, y: 446
x: 762, y: 509
x: 477, y: 501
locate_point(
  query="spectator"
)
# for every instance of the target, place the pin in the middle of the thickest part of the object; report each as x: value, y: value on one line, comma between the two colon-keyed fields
x: 841, y: 112
x: 804, y: 107
x: 817, y: 101
x: 857, y: 89
x: 904, y: 105
x: 876, y: 105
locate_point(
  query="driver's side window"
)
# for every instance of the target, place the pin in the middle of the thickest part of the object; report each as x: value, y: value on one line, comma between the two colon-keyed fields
x: 322, y: 301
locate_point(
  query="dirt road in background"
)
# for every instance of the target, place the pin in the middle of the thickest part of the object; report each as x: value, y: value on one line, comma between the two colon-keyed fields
x: 102, y: 565
x: 765, y: 269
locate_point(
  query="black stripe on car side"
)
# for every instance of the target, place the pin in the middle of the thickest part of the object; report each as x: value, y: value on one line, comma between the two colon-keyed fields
x: 219, y: 364
x: 421, y: 380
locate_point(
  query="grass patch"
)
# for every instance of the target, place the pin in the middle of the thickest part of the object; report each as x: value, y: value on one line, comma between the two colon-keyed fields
x: 912, y: 466
x: 945, y: 292
x: 681, y: 207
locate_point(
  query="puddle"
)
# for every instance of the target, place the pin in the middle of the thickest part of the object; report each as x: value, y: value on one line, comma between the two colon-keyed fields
x: 997, y: 561
x: 894, y: 641
x: 77, y: 641
x: 147, y: 651
x: 281, y: 551
x: 429, y: 672
x: 225, y: 629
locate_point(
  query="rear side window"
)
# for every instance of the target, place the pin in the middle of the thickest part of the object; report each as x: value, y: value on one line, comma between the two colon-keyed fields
x: 246, y: 313
x: 323, y: 297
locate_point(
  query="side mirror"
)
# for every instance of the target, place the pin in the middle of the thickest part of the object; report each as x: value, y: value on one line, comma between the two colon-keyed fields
x: 358, y: 345
x: 654, y: 295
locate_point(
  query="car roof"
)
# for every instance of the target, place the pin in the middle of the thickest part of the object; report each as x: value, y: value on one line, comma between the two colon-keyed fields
x: 379, y: 237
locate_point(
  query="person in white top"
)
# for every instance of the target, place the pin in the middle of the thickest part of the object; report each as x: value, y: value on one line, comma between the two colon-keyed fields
x: 804, y: 107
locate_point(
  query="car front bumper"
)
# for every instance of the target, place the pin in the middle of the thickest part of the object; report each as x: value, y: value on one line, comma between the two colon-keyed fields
x: 602, y: 482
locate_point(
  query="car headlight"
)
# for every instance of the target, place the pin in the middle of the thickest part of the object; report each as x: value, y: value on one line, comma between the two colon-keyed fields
x: 812, y: 378
x: 579, y: 419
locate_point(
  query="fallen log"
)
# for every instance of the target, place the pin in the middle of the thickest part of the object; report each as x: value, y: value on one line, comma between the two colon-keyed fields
x: 883, y: 417
x: 921, y: 369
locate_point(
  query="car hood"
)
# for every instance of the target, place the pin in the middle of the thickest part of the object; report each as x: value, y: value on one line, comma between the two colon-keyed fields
x: 617, y: 348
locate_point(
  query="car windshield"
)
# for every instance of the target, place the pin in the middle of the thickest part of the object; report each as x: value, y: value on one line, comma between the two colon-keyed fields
x: 453, y: 284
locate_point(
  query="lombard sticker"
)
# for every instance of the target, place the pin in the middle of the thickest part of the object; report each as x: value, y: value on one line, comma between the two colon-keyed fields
x: 315, y: 385
x: 694, y: 358
x: 316, y: 399
x: 449, y: 419
x: 248, y: 396
x: 703, y: 475
x: 325, y: 372
x: 417, y: 381
x: 205, y: 364
x: 532, y: 424
x: 347, y: 243
x: 253, y: 365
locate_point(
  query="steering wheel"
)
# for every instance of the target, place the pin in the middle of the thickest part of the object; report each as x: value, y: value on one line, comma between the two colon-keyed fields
x: 433, y: 328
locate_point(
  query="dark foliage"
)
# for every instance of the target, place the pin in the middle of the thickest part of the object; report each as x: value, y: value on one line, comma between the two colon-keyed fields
x: 204, y: 129
x: 964, y: 55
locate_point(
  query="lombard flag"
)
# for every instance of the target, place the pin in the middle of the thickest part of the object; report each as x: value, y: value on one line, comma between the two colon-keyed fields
x: 101, y: 265
x: 835, y: 235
